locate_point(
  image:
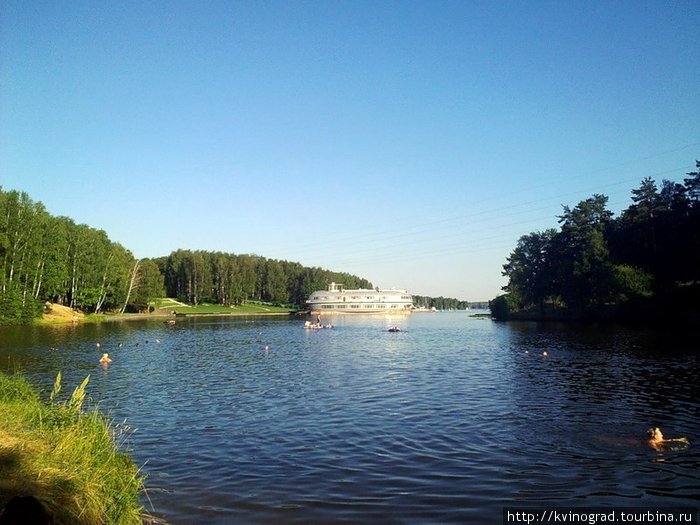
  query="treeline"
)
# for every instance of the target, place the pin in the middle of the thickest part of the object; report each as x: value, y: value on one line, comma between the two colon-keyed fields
x: 224, y: 278
x: 440, y: 303
x: 649, y: 255
x: 47, y: 258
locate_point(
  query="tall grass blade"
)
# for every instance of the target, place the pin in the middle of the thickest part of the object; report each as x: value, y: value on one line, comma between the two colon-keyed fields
x: 75, y: 403
x: 56, y: 387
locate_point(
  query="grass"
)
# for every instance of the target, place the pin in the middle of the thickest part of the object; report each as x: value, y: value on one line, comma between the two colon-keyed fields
x: 245, y: 309
x: 66, y: 457
x: 164, y: 306
x: 166, y: 302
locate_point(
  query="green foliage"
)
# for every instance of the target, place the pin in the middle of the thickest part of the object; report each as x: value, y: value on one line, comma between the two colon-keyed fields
x: 593, y: 260
x: 583, y: 253
x: 196, y: 277
x: 48, y: 258
x: 149, y: 284
x: 67, y: 458
x: 631, y: 282
x: 16, y: 306
x: 530, y: 269
x: 692, y: 185
x: 16, y: 389
x: 501, y: 307
x: 440, y: 303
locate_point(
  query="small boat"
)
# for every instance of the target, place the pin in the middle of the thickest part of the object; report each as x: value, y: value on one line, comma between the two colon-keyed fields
x: 394, y: 329
x: 316, y: 326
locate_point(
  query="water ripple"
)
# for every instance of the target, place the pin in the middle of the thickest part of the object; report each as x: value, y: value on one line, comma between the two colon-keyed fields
x: 446, y: 422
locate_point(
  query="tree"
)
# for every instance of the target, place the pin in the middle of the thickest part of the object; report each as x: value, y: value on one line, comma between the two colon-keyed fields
x: 52, y: 258
x: 585, y: 272
x: 52, y: 262
x: 647, y: 201
x: 149, y: 284
x: 631, y: 282
x: 673, y: 197
x: 530, y: 269
x: 501, y: 307
x: 652, y: 250
x: 692, y: 185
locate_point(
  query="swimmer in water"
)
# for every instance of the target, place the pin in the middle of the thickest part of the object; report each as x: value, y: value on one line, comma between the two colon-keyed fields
x: 105, y: 360
x: 658, y: 442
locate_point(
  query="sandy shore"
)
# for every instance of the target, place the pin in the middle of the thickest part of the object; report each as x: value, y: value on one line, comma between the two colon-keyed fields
x: 58, y: 314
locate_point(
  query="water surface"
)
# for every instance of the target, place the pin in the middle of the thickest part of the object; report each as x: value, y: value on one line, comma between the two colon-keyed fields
x: 448, y: 421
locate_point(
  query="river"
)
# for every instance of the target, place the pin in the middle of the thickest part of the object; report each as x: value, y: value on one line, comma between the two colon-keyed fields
x: 257, y: 420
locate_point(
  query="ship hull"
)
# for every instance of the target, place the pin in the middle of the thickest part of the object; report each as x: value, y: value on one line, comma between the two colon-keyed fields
x: 336, y: 300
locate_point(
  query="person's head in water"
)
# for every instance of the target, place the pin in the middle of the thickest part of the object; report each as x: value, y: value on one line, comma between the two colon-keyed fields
x: 655, y: 434
x: 659, y: 442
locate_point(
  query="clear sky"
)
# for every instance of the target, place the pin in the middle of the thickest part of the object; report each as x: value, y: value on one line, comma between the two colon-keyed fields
x: 411, y: 142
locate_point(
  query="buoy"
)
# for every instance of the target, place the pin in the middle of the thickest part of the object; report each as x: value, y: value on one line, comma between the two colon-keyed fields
x: 544, y: 354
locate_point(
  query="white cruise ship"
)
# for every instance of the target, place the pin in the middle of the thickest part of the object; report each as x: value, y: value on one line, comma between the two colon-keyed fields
x: 337, y: 300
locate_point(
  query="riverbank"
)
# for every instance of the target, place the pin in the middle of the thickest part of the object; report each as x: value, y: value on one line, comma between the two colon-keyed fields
x: 55, y: 314
x: 680, y: 307
x: 66, y: 458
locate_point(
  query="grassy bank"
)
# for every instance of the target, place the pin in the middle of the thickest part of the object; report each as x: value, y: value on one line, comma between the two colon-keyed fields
x: 244, y: 309
x: 170, y: 305
x: 66, y: 458
x: 57, y: 314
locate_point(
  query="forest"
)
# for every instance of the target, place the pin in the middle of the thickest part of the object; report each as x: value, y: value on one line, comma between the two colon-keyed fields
x: 47, y: 258
x: 197, y: 277
x: 645, y: 262
x: 440, y: 303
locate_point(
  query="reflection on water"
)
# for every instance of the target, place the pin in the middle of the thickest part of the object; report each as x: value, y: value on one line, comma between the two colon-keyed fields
x: 447, y: 421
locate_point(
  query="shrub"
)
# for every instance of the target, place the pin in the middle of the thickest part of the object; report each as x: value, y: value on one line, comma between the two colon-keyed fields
x: 500, y: 307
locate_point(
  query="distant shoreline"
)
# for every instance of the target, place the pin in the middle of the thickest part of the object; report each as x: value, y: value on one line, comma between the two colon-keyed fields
x: 62, y: 315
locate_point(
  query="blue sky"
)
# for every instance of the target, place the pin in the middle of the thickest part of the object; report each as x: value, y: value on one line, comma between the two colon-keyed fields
x: 411, y: 143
